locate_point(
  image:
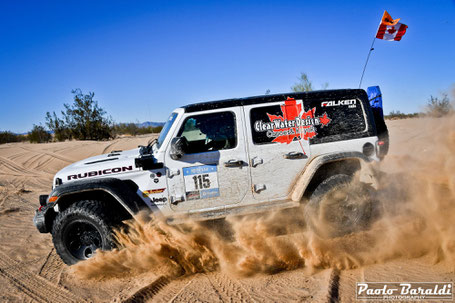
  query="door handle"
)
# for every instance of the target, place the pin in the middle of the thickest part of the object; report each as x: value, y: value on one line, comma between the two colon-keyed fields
x: 295, y: 155
x: 234, y: 163
x: 176, y: 199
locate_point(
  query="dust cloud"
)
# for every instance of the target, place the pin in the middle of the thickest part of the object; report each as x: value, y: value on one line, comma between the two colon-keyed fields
x: 416, y: 211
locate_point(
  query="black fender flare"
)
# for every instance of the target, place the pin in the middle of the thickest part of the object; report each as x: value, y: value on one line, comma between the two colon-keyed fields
x: 310, y: 170
x: 124, y: 192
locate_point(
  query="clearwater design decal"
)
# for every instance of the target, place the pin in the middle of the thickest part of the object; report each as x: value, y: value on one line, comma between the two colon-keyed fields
x: 201, y: 182
x: 294, y: 124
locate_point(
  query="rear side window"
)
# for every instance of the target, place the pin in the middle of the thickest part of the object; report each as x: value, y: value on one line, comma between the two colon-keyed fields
x: 318, y: 121
x: 209, y: 132
x: 347, y: 120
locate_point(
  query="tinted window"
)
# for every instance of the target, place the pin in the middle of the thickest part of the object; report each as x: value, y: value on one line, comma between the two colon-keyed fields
x: 347, y: 120
x: 209, y: 132
x: 318, y: 121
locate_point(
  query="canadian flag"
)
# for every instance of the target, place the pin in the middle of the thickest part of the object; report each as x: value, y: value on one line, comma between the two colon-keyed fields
x: 389, y: 29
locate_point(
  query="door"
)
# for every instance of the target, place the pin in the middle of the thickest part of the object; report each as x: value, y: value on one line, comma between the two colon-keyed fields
x: 278, y: 146
x: 213, y: 172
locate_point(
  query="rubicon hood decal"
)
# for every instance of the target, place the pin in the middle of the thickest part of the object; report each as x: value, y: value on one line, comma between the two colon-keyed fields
x: 294, y: 124
x: 102, y: 172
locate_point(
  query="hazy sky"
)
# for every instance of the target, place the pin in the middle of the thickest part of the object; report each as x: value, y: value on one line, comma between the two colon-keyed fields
x: 144, y: 58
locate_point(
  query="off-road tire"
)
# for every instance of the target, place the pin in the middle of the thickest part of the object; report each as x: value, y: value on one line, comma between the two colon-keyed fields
x: 337, y: 207
x: 87, y: 214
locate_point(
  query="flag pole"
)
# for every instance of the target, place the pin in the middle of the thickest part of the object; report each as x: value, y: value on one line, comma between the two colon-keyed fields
x: 368, y: 57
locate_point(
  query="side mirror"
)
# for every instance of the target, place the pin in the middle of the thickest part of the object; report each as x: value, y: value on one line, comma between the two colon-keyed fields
x: 179, y: 146
x: 147, y: 162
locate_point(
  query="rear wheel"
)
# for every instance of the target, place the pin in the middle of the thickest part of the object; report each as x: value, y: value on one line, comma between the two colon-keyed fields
x: 338, y: 207
x: 80, y: 230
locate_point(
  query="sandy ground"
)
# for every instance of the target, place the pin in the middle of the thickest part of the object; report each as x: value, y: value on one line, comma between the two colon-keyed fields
x: 31, y: 271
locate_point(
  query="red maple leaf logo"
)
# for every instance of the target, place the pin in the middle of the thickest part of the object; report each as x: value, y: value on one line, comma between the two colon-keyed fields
x: 391, y: 30
x: 291, y: 113
x: 324, y: 120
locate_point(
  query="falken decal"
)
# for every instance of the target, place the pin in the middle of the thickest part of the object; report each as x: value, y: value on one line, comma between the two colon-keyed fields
x: 294, y: 124
x: 350, y: 103
x: 149, y: 192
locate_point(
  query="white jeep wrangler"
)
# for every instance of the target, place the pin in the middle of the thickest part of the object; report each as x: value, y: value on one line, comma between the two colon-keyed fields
x: 222, y: 158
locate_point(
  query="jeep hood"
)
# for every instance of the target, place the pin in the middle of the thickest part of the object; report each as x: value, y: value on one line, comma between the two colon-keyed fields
x: 108, y: 165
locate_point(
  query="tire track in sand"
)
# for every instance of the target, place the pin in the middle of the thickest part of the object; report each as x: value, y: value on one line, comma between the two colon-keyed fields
x: 228, y: 289
x: 44, y: 152
x: 22, y: 171
x: 148, y: 292
x: 52, y: 267
x: 34, y: 286
x: 333, y: 295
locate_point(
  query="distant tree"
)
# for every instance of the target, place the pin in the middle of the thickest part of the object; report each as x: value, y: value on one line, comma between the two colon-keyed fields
x: 439, y: 107
x: 305, y: 85
x: 267, y: 91
x: 133, y: 129
x: 82, y: 120
x: 38, y: 134
x: 126, y: 128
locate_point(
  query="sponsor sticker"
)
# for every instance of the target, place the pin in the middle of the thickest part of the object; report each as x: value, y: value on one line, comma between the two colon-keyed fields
x: 159, y: 201
x: 404, y: 291
x: 201, y: 182
x: 352, y: 103
x: 293, y: 124
x: 149, y: 192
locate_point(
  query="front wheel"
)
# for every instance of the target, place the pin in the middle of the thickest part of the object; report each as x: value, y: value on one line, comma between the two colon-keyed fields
x: 339, y: 207
x: 80, y: 230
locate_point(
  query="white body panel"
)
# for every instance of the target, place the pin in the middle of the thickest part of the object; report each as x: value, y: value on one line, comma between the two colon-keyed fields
x: 272, y: 173
x: 227, y: 185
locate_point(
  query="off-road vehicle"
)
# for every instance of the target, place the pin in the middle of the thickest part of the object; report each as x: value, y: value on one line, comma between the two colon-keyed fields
x: 228, y: 157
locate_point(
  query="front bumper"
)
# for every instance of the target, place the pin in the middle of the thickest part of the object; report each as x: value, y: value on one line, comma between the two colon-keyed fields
x: 44, y: 217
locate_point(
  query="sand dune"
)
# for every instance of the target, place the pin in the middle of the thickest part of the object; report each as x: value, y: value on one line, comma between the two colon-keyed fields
x: 31, y: 271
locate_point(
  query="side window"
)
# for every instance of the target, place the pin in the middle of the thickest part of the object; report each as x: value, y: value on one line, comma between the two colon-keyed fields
x: 209, y: 132
x: 318, y: 121
x: 347, y: 120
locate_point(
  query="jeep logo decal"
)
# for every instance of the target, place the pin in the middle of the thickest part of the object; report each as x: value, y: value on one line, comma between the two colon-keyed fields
x: 95, y: 173
x: 159, y: 200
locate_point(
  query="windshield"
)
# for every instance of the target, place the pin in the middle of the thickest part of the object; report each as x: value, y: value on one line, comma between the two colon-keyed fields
x: 167, y: 126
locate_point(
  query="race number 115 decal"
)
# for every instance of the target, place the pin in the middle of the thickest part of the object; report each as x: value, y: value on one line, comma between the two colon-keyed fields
x: 201, y: 182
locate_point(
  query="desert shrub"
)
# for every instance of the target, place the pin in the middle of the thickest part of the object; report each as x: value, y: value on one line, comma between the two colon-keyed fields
x: 438, y: 107
x: 126, y: 128
x: 304, y: 84
x: 38, y: 134
x: 7, y: 137
x: 394, y: 115
x: 84, y: 119
x: 134, y: 130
